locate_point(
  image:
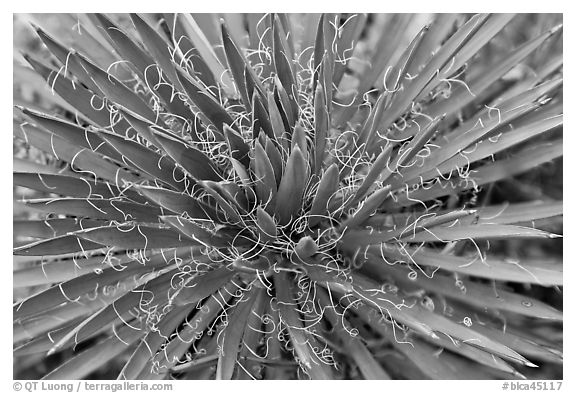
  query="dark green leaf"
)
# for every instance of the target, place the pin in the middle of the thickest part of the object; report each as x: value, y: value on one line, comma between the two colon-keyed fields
x: 202, y: 285
x: 136, y: 237
x: 233, y: 334
x: 292, y: 187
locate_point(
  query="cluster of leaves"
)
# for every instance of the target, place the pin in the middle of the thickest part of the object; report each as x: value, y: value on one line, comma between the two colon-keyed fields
x: 269, y: 197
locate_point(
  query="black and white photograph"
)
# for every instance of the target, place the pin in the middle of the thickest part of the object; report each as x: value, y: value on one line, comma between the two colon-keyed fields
x: 287, y: 196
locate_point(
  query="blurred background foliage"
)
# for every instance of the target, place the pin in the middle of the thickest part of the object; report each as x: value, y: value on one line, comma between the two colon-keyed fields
x: 542, y: 183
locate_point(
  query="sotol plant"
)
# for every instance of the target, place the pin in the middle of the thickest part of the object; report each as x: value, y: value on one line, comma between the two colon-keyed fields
x: 286, y: 196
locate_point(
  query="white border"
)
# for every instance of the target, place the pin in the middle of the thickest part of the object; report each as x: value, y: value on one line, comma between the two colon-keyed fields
x: 292, y: 6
